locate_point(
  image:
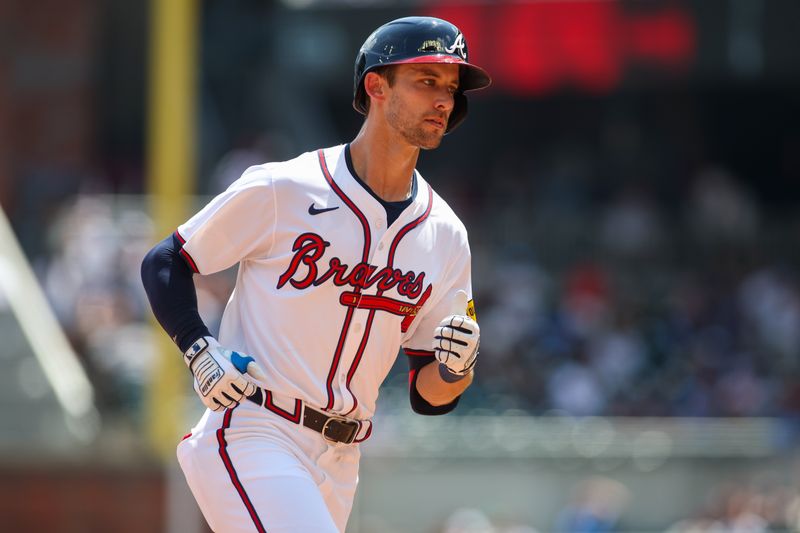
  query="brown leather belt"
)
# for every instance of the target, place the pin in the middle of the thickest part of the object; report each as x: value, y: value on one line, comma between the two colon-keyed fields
x: 334, y: 428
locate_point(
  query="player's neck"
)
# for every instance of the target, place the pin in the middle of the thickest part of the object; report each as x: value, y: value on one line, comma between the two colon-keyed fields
x: 386, y: 167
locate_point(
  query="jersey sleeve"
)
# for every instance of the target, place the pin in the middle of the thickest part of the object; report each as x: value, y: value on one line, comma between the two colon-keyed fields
x: 236, y: 225
x: 441, y: 305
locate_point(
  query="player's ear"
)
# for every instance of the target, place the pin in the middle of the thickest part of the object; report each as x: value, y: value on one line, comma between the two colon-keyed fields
x: 375, y: 86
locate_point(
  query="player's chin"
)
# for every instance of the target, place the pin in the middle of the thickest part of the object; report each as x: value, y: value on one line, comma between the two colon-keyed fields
x: 430, y: 140
x: 431, y: 145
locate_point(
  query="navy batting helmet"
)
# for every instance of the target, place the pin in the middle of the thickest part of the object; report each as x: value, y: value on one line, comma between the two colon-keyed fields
x: 418, y: 40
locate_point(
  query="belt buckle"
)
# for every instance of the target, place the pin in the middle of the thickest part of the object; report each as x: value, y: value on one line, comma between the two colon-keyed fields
x: 347, y: 422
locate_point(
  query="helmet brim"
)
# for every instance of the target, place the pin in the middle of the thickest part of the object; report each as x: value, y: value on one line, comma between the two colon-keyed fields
x: 471, y: 77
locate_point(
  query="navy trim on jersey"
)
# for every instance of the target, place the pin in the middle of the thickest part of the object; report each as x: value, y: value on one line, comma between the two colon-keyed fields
x: 390, y: 264
x: 237, y: 484
x: 393, y: 209
x: 364, y: 258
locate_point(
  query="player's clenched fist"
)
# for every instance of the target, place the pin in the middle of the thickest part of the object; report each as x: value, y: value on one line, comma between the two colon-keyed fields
x: 456, y: 341
x: 219, y: 374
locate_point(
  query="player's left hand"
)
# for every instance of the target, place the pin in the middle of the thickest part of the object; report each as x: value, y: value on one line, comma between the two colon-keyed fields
x: 222, y: 377
x: 456, y: 339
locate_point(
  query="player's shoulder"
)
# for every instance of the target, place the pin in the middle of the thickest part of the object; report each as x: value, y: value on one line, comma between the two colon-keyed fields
x: 268, y: 173
x: 303, y: 169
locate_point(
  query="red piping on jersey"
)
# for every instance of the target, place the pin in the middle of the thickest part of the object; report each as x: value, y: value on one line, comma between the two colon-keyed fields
x: 292, y: 417
x: 226, y: 459
x: 365, y: 226
x: 408, y: 227
x: 366, y: 436
x: 186, y: 257
x: 389, y: 263
x: 364, y: 258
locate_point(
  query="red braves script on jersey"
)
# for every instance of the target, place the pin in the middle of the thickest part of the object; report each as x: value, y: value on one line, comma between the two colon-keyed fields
x: 310, y: 247
x: 303, y: 230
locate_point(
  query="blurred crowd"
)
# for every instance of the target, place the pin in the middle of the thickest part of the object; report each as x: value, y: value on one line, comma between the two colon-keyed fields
x: 633, y: 309
x: 623, y: 309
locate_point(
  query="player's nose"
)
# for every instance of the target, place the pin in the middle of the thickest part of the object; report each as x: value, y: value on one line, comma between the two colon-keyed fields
x: 444, y: 102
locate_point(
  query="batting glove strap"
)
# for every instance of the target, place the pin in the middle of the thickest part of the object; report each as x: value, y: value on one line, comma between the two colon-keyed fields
x: 448, y: 376
x: 199, y: 346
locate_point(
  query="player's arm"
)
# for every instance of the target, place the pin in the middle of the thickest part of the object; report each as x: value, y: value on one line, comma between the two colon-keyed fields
x: 428, y: 397
x: 436, y: 389
x: 439, y: 377
x: 169, y: 284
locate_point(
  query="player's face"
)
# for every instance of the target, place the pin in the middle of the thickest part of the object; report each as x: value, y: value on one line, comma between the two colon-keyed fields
x: 420, y: 102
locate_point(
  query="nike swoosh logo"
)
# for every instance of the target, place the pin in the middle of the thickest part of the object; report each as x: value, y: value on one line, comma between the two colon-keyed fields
x: 314, y: 210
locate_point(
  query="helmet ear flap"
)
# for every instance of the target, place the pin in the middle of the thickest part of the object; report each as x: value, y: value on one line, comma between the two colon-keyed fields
x: 359, y: 96
x: 459, y: 112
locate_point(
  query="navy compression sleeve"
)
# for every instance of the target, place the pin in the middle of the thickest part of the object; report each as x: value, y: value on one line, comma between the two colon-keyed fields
x: 168, y: 282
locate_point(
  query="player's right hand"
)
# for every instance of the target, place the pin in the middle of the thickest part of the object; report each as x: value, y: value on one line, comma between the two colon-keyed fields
x: 456, y: 340
x: 222, y: 377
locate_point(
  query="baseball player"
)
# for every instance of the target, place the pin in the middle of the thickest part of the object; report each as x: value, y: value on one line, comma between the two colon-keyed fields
x: 345, y: 255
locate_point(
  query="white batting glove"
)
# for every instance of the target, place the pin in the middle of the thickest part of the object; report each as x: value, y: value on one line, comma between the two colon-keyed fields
x: 220, y: 375
x: 456, y: 341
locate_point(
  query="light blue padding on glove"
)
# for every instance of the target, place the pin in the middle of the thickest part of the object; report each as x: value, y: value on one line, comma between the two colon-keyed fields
x: 240, y: 361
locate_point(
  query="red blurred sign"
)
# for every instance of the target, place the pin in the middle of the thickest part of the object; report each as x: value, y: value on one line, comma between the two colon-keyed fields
x: 536, y: 47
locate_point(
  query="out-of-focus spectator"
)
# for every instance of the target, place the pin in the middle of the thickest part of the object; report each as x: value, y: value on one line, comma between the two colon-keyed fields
x: 596, y: 505
x: 770, y: 302
x: 720, y: 209
x: 468, y: 520
x: 631, y: 225
x: 474, y: 520
x: 575, y: 388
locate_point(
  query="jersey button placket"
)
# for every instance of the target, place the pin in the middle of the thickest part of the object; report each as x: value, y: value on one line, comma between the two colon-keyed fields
x: 379, y: 252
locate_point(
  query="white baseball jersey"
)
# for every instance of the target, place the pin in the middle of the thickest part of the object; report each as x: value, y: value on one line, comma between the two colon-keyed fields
x: 326, y: 293
x: 325, y: 296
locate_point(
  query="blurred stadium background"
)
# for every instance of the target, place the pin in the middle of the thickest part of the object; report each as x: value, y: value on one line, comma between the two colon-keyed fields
x: 631, y: 183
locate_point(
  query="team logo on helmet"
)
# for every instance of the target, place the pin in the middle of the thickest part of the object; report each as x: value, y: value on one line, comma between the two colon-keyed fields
x: 431, y: 45
x: 459, y: 45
